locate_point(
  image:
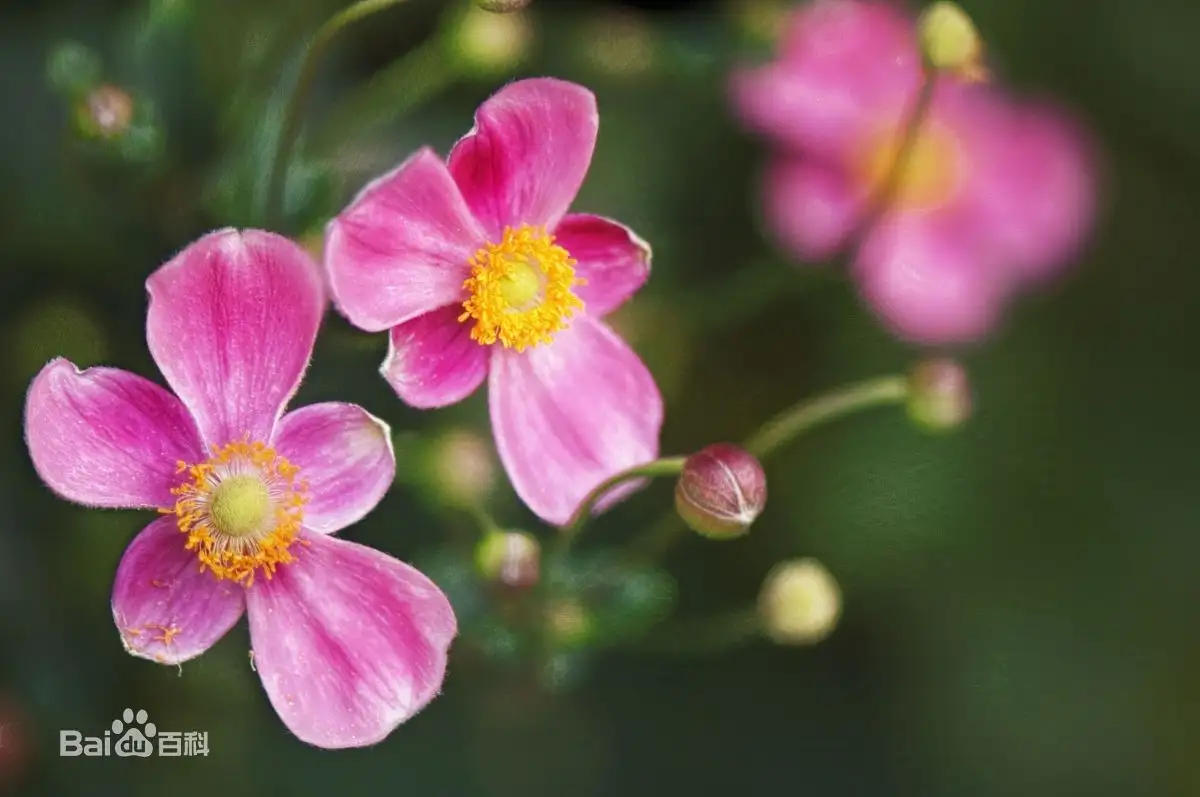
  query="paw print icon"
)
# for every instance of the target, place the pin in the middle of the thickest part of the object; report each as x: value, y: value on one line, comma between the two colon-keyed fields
x: 132, y: 740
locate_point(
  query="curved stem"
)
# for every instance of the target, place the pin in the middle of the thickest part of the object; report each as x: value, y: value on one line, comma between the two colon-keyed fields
x: 668, y: 466
x: 777, y: 432
x: 299, y: 96
x: 806, y: 414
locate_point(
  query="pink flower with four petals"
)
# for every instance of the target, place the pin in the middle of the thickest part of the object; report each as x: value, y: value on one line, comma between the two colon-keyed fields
x: 349, y: 642
x: 995, y: 196
x: 478, y: 271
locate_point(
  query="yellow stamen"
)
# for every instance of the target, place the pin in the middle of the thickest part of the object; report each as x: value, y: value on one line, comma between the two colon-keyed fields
x: 930, y: 172
x: 241, y: 510
x: 520, y: 289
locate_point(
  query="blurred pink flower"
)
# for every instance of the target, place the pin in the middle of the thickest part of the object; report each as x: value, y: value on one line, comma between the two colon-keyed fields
x: 349, y: 642
x: 457, y: 257
x: 996, y: 195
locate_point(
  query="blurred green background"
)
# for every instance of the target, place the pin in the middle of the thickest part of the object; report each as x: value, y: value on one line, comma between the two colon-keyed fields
x: 1020, y: 596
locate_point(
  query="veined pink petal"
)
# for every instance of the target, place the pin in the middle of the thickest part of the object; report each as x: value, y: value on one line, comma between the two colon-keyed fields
x: 1034, y: 179
x: 811, y: 207
x: 106, y: 437
x: 846, y: 68
x: 165, y: 608
x: 231, y: 324
x: 349, y: 642
x: 432, y: 360
x: 525, y: 159
x: 402, y: 247
x: 929, y: 285
x: 344, y: 455
x: 614, y: 261
x: 570, y: 414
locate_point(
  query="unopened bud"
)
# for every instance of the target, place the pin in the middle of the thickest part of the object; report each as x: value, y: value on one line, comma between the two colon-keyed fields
x: 951, y: 42
x: 502, y: 6
x: 106, y: 112
x: 462, y: 468
x: 939, y: 395
x: 490, y: 44
x: 800, y: 603
x: 569, y: 623
x: 721, y: 491
x: 73, y: 69
x: 512, y: 558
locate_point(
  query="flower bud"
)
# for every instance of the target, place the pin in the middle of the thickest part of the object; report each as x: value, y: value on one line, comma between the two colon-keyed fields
x: 800, y: 603
x: 951, y: 42
x: 569, y: 624
x: 73, y: 69
x: 490, y: 44
x: 502, y: 6
x: 721, y: 491
x: 105, y: 112
x: 462, y: 468
x: 512, y: 558
x: 939, y: 395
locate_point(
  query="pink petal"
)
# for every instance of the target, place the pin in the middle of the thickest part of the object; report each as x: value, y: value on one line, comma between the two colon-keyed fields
x: 570, y: 414
x: 811, y: 208
x: 613, y: 260
x: 106, y: 437
x: 528, y: 153
x: 231, y: 324
x: 349, y: 642
x: 165, y: 608
x: 402, y: 247
x: 929, y: 285
x: 846, y: 67
x: 344, y: 455
x: 1034, y: 182
x: 432, y: 360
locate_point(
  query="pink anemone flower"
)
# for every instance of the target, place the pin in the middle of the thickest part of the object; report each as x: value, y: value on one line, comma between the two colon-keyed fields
x: 349, y: 642
x: 478, y: 271
x: 994, y: 197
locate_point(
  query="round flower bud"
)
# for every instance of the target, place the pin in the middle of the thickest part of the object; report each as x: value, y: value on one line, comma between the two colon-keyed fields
x: 502, y: 6
x: 106, y: 112
x: 721, y: 491
x: 491, y: 44
x: 462, y: 468
x: 950, y: 40
x: 800, y: 603
x: 512, y: 558
x: 939, y: 395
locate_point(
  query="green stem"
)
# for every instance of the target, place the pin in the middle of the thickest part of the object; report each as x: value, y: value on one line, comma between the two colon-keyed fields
x: 774, y: 434
x: 668, y: 466
x: 804, y: 415
x: 294, y: 110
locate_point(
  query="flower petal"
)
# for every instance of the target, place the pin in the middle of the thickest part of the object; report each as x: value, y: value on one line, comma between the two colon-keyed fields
x: 613, y: 260
x: 570, y: 414
x: 432, y: 360
x: 525, y: 159
x: 811, y: 208
x: 231, y: 324
x: 345, y: 456
x: 928, y: 285
x: 846, y: 67
x: 106, y: 437
x: 166, y: 609
x: 402, y: 247
x: 349, y: 642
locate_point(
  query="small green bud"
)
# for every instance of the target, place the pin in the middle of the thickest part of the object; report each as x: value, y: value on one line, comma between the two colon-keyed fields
x: 800, y: 603
x: 951, y: 42
x: 512, y: 558
x: 939, y: 395
x: 489, y: 44
x: 73, y: 69
x: 721, y: 491
x: 105, y: 112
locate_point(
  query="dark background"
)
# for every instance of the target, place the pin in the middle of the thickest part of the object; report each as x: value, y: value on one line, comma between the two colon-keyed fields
x: 1020, y: 597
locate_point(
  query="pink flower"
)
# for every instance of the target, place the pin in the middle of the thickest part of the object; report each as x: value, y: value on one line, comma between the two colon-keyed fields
x: 349, y: 643
x: 479, y: 271
x: 996, y: 196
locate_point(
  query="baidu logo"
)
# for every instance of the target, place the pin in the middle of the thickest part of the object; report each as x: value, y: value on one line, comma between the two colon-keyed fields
x: 133, y: 736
